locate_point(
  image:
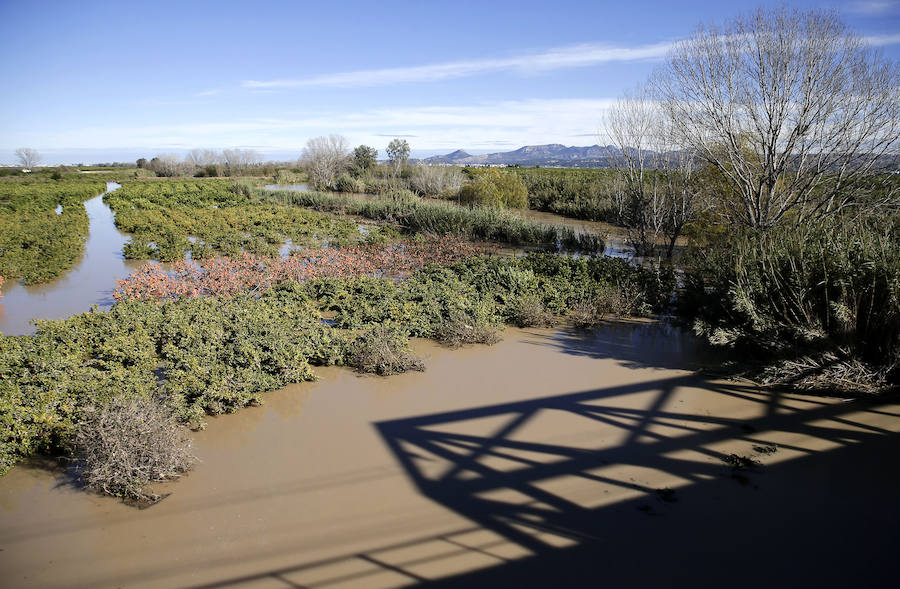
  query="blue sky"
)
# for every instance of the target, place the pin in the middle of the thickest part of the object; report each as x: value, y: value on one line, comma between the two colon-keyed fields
x: 91, y: 81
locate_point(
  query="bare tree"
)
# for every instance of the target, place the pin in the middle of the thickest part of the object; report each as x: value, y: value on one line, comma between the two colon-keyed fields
x: 28, y: 157
x: 658, y: 196
x: 239, y: 161
x: 325, y: 158
x: 793, y: 110
x: 166, y: 164
x: 202, y: 157
x: 436, y: 180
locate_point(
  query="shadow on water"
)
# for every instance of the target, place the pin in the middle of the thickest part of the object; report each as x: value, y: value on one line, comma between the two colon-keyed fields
x: 90, y: 282
x: 645, y: 485
x: 633, y: 344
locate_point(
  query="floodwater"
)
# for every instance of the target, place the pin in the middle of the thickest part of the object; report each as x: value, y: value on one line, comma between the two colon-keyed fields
x: 555, y: 458
x: 90, y: 282
x: 288, y: 187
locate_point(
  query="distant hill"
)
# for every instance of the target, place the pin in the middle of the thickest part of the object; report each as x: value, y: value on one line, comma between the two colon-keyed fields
x: 553, y: 154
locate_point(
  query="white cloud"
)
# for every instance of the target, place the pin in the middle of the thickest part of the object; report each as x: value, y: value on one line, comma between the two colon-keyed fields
x: 879, y: 40
x: 873, y: 7
x: 559, y: 58
x: 479, y: 126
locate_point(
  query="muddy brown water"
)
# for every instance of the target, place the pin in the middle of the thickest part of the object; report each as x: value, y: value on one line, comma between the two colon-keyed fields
x: 90, y: 282
x: 556, y: 457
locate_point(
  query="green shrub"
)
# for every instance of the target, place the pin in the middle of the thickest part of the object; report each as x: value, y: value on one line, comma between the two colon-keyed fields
x: 347, y: 183
x: 220, y: 214
x: 492, y: 188
x: 791, y: 290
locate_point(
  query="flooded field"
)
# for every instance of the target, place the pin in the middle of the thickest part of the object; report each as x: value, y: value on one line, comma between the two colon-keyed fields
x: 555, y: 457
x: 90, y: 282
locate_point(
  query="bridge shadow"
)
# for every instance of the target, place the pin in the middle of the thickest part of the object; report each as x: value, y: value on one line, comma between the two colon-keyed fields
x: 637, y: 484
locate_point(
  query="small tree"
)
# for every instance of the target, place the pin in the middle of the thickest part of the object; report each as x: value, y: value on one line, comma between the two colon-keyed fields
x: 398, y: 153
x: 325, y: 158
x: 364, y: 157
x: 165, y: 164
x: 28, y: 157
x: 658, y: 179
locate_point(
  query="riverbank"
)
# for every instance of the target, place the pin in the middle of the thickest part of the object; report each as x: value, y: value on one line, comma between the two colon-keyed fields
x: 553, y: 446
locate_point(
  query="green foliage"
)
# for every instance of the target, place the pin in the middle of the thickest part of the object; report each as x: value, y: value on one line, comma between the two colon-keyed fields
x: 218, y: 354
x: 363, y: 158
x: 441, y: 218
x: 791, y: 289
x: 398, y: 152
x: 219, y: 214
x: 347, y: 183
x: 581, y: 193
x: 36, y: 244
x: 492, y: 188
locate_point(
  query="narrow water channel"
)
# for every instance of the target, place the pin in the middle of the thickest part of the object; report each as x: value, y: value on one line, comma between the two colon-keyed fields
x: 90, y: 282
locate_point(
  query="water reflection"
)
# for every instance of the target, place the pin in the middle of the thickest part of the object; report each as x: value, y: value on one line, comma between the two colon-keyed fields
x: 290, y: 187
x: 90, y: 282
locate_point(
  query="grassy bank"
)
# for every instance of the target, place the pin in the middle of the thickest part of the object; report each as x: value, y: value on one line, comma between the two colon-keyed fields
x: 36, y: 243
x: 439, y: 218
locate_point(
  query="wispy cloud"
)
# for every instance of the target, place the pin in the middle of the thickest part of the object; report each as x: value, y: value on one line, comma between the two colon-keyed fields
x: 879, y: 40
x: 212, y: 92
x: 873, y: 7
x: 476, y: 126
x: 553, y: 59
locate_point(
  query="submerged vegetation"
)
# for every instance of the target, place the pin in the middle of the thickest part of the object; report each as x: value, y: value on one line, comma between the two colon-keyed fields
x: 214, y: 354
x: 43, y: 227
x: 169, y: 218
x: 440, y: 218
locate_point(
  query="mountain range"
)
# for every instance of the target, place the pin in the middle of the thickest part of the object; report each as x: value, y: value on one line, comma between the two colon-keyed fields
x: 552, y: 154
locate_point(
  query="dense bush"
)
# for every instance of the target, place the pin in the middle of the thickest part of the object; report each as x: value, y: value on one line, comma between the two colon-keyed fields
x: 581, y: 193
x: 794, y: 290
x: 347, y: 183
x: 492, y: 188
x: 383, y: 350
x: 437, y: 181
x: 128, y: 443
x: 36, y: 243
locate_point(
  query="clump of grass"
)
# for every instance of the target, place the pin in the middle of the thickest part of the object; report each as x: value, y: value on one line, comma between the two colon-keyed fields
x: 608, y: 301
x: 129, y: 443
x: 384, y: 350
x: 464, y: 329
x: 529, y: 311
x: 838, y: 373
